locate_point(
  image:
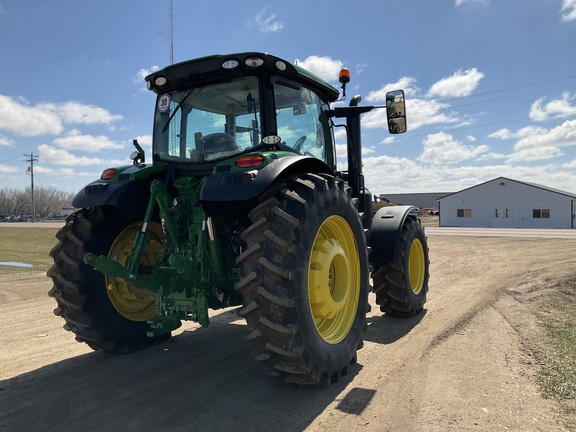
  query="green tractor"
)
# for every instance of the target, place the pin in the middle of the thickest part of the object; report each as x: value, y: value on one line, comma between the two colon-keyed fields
x: 243, y: 206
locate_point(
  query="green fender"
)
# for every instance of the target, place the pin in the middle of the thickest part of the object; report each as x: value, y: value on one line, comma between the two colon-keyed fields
x: 247, y: 185
x: 386, y: 232
x: 128, y: 191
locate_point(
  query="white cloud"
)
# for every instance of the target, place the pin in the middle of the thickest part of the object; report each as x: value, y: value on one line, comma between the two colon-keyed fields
x: 491, y: 156
x: 18, y: 117
x: 540, y: 111
x: 87, y: 143
x: 441, y: 148
x: 383, y: 170
x: 501, y: 134
x: 68, y: 173
x: 459, y: 84
x: 568, y: 10
x: 537, y: 143
x: 77, y: 113
x: 6, y: 141
x: 143, y: 73
x: 325, y: 67
x: 427, y: 110
x: 408, y: 84
x: 459, y: 3
x: 561, y: 135
x: 388, y: 174
x: 55, y: 156
x: 7, y: 169
x: 268, y: 23
x: 420, y: 112
x: 535, y: 153
x: 528, y: 131
x: 360, y: 67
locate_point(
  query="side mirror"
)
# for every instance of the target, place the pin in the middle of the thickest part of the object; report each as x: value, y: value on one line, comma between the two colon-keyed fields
x: 396, y: 112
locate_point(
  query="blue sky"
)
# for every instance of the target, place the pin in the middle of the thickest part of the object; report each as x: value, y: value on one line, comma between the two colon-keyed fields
x: 490, y: 84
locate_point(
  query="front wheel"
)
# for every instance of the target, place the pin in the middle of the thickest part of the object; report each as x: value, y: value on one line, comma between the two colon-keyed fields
x: 401, y: 286
x: 106, y: 313
x: 305, y: 280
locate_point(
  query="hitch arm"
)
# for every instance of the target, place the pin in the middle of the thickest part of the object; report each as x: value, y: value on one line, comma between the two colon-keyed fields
x: 115, y: 269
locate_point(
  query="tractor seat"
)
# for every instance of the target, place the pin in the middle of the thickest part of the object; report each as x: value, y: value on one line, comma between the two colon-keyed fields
x: 219, y: 142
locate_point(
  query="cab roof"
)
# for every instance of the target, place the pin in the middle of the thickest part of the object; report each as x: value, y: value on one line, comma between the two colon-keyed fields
x: 208, y: 69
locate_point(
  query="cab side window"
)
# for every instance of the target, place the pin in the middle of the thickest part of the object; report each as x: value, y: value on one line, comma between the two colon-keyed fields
x: 298, y: 119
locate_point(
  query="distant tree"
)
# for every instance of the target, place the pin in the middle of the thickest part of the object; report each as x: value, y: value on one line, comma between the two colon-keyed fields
x: 12, y: 202
x: 49, y: 202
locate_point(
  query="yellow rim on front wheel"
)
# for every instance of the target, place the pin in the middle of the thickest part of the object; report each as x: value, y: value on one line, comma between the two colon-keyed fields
x: 132, y: 302
x: 334, y: 279
x: 416, y: 266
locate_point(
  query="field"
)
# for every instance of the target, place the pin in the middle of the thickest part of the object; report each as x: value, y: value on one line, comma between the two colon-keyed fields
x: 494, y: 350
x: 25, y: 244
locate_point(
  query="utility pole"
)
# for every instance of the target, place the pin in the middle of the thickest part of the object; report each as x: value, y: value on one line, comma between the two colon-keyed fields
x: 31, y: 159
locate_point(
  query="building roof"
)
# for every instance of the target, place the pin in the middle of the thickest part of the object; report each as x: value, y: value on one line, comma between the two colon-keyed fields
x: 560, y: 192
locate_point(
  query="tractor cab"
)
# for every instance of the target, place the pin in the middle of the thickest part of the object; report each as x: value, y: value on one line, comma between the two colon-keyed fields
x: 216, y: 108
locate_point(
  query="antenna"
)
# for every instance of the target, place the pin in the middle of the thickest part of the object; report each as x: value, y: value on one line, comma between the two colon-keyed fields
x: 171, y: 35
x: 30, y: 170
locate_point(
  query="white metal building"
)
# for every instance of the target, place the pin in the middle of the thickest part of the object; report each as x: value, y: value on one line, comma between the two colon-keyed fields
x: 507, y: 203
x: 427, y: 200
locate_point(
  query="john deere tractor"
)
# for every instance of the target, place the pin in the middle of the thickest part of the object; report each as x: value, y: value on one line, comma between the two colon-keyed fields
x: 243, y: 205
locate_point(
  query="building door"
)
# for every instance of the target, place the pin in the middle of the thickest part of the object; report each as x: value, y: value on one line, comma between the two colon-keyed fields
x: 573, y: 213
x: 501, y: 217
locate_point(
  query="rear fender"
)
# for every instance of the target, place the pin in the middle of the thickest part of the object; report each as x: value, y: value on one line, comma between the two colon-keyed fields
x: 386, y: 232
x: 130, y: 198
x: 247, y: 185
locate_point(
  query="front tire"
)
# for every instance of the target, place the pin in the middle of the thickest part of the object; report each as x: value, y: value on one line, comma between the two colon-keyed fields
x: 106, y: 313
x: 305, y: 280
x: 401, y: 286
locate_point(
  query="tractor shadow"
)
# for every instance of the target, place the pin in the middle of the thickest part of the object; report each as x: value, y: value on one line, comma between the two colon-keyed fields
x: 386, y: 329
x: 202, y: 379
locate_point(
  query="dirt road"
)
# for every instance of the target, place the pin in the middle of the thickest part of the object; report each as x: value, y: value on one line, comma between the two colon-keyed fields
x: 468, y: 363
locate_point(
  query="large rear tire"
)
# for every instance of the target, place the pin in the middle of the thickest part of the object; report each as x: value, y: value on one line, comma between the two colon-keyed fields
x: 106, y: 313
x: 305, y: 280
x: 401, y: 286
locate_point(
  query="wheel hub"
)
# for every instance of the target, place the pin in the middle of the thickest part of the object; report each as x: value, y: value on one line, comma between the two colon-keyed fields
x: 334, y: 279
x: 416, y: 266
x: 131, y: 301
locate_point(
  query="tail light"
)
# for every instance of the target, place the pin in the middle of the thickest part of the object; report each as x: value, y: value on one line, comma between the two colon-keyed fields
x: 108, y: 174
x: 249, y: 161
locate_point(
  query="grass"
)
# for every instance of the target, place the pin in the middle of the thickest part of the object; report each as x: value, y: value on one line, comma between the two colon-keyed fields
x: 558, y: 379
x: 29, y: 245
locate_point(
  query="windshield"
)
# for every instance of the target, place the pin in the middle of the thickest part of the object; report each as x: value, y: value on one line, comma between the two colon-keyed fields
x: 208, y: 123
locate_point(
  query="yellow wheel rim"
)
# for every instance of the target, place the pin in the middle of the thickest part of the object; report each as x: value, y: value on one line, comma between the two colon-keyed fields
x: 132, y: 302
x: 416, y: 266
x: 334, y: 279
